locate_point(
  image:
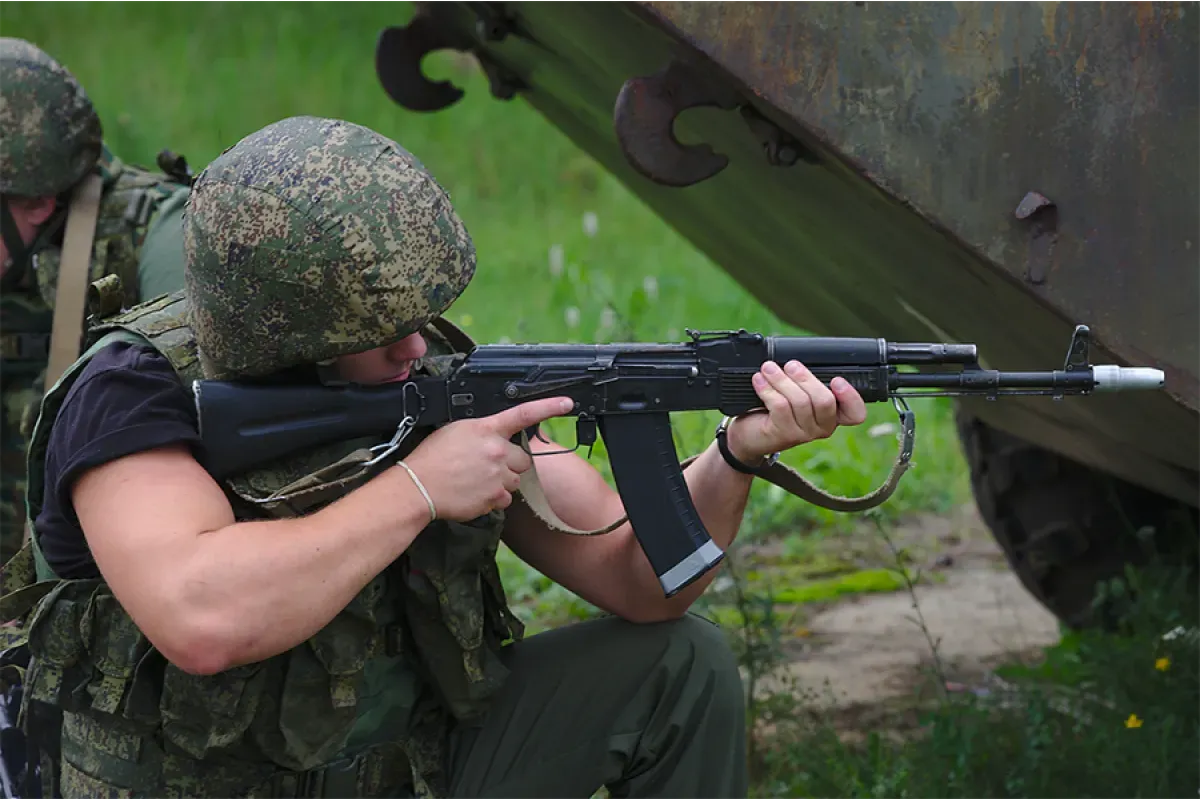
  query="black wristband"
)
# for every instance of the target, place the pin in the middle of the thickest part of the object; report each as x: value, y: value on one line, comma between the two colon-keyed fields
x: 731, y: 459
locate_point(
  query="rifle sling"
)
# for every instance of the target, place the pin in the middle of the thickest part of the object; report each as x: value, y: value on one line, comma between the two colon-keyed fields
x: 531, y: 492
x: 796, y: 484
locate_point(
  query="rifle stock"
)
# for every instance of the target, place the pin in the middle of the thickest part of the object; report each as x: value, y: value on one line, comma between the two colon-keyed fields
x: 244, y: 425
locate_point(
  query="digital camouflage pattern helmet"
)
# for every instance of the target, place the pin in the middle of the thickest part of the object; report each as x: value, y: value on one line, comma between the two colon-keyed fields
x: 50, y: 135
x: 314, y: 238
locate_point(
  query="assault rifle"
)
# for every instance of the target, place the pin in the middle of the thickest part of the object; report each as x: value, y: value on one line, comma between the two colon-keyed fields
x: 627, y: 392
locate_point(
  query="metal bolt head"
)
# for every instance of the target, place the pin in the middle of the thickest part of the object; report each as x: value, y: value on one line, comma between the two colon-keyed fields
x: 1032, y: 202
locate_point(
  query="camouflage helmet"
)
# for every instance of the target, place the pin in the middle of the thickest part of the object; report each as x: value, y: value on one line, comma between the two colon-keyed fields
x: 50, y: 135
x: 314, y: 238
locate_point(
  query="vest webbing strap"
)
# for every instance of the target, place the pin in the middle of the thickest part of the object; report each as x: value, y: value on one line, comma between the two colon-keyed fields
x: 70, y: 295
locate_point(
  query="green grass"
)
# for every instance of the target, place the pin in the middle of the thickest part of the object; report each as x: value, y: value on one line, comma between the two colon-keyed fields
x: 867, y: 580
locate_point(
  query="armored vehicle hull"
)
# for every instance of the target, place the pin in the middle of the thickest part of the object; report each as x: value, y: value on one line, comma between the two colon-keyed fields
x: 991, y: 173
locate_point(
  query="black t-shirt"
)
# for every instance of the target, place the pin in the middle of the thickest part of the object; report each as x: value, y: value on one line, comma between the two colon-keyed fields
x: 126, y: 400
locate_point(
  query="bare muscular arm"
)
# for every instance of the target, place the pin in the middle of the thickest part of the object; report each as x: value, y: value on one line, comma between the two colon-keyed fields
x: 211, y: 592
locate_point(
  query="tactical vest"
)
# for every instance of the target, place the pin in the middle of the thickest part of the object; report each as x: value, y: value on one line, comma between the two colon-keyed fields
x: 131, y: 198
x: 370, y: 695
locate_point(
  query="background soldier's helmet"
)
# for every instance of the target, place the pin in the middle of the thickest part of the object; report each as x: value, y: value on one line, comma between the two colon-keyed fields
x: 50, y: 136
x: 314, y: 238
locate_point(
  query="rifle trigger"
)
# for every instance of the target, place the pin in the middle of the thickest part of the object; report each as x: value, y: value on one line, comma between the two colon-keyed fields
x: 585, y: 432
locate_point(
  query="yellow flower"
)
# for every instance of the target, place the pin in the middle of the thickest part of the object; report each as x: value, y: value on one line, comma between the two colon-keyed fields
x: 1133, y: 721
x: 1162, y: 664
x: 466, y: 320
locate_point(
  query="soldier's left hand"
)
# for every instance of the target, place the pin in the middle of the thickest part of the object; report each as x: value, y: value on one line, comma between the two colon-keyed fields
x: 798, y: 409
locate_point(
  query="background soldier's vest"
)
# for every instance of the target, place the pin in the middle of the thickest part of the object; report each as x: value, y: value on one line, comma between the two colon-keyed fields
x: 361, y: 708
x: 132, y: 197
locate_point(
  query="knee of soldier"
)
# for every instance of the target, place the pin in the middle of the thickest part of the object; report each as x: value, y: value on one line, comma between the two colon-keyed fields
x: 711, y: 655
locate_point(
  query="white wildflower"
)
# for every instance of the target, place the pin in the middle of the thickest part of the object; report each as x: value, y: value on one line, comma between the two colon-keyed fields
x: 557, y: 259
x: 571, y: 315
x: 608, y: 318
x: 650, y: 287
x: 672, y: 335
x: 882, y: 429
x: 1172, y: 635
x: 591, y: 223
x: 505, y: 340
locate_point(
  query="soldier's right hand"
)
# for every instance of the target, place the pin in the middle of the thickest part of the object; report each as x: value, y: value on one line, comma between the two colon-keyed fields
x: 471, y: 466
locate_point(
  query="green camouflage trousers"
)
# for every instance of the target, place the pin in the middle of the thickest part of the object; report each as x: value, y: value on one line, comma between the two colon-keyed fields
x: 644, y: 710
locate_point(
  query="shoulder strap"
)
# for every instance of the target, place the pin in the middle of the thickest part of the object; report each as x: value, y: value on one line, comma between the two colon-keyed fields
x: 70, y: 294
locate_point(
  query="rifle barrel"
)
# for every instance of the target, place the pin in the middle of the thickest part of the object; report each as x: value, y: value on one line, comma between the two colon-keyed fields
x: 1103, y: 378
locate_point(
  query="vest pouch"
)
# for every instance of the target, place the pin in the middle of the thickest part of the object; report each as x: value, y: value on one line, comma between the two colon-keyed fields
x: 116, y: 646
x: 447, y: 611
x: 503, y: 623
x: 318, y: 703
x: 206, y: 713
x: 59, y: 670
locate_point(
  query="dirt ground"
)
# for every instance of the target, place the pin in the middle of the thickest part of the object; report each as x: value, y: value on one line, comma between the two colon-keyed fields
x: 868, y: 651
